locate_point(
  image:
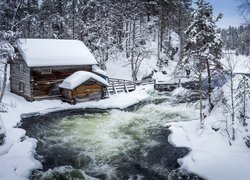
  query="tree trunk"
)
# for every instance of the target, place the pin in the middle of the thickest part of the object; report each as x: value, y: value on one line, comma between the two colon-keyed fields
x: 127, y: 39
x: 133, y: 68
x: 244, y: 102
x: 4, y: 82
x: 232, y: 104
x: 209, y: 86
x: 160, y: 36
x: 181, y: 35
x: 200, y: 99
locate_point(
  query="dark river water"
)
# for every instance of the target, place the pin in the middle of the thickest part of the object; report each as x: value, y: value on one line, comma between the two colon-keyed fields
x: 110, y: 144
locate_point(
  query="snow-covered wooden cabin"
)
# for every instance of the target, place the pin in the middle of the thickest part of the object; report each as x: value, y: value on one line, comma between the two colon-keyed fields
x: 83, y: 86
x: 42, y: 65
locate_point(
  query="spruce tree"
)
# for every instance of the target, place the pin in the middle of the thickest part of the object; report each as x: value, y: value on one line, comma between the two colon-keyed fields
x: 204, y: 46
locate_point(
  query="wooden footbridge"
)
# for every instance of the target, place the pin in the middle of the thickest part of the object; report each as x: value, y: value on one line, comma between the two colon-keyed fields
x: 120, y: 85
x: 117, y: 86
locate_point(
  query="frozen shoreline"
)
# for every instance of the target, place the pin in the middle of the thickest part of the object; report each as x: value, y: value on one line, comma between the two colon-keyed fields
x: 211, y: 156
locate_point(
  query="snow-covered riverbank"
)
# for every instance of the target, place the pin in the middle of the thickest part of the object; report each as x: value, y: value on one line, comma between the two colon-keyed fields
x: 16, y: 155
x: 214, y: 155
x: 211, y: 156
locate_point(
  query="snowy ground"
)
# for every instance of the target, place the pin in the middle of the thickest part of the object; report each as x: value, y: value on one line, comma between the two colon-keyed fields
x: 212, y: 157
x: 119, y: 67
x: 239, y: 64
x: 16, y: 155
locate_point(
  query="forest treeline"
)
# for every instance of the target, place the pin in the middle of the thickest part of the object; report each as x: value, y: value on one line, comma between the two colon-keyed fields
x: 103, y: 25
x: 237, y: 38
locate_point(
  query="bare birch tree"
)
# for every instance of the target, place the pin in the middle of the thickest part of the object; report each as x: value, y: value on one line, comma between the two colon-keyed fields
x: 229, y: 101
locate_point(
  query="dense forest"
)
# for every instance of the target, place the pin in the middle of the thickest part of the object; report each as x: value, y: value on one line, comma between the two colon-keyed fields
x: 104, y: 26
x: 110, y: 26
x: 237, y: 38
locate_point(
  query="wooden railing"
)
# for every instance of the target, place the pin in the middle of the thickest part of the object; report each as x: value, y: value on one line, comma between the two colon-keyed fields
x: 120, y: 85
x: 145, y: 82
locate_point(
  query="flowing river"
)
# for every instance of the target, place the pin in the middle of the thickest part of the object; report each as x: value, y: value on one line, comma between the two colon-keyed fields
x: 110, y: 144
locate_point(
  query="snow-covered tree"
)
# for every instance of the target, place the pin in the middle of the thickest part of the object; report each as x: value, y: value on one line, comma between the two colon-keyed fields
x: 183, y: 18
x: 29, y: 19
x: 244, y: 8
x: 204, y: 46
x: 7, y: 53
x: 242, y: 95
x: 7, y: 39
x: 230, y: 105
x: 243, y: 41
x: 165, y: 18
x: 9, y: 14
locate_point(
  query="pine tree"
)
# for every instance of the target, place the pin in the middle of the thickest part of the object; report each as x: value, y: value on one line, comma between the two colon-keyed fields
x: 204, y: 46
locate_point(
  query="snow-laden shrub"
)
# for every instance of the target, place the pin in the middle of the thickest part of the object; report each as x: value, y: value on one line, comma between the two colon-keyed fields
x: 232, y: 106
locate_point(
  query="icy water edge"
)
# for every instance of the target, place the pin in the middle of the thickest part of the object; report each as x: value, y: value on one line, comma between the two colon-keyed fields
x: 110, y: 144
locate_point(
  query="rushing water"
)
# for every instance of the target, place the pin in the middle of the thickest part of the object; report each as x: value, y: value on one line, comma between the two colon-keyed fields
x: 112, y: 144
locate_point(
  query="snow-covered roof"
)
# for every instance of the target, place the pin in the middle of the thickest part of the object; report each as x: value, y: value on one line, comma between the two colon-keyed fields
x: 97, y: 70
x: 79, y: 77
x: 55, y: 52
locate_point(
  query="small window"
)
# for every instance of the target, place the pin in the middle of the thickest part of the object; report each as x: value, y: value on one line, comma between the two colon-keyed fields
x: 21, y: 87
x: 21, y: 68
x: 46, y: 71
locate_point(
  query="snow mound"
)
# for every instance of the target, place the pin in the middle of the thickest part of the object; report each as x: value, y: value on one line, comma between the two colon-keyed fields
x: 179, y: 92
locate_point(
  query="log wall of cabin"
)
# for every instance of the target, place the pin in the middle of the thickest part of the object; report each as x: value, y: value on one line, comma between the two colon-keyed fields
x: 85, y: 90
x: 42, y: 84
x: 19, y: 75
